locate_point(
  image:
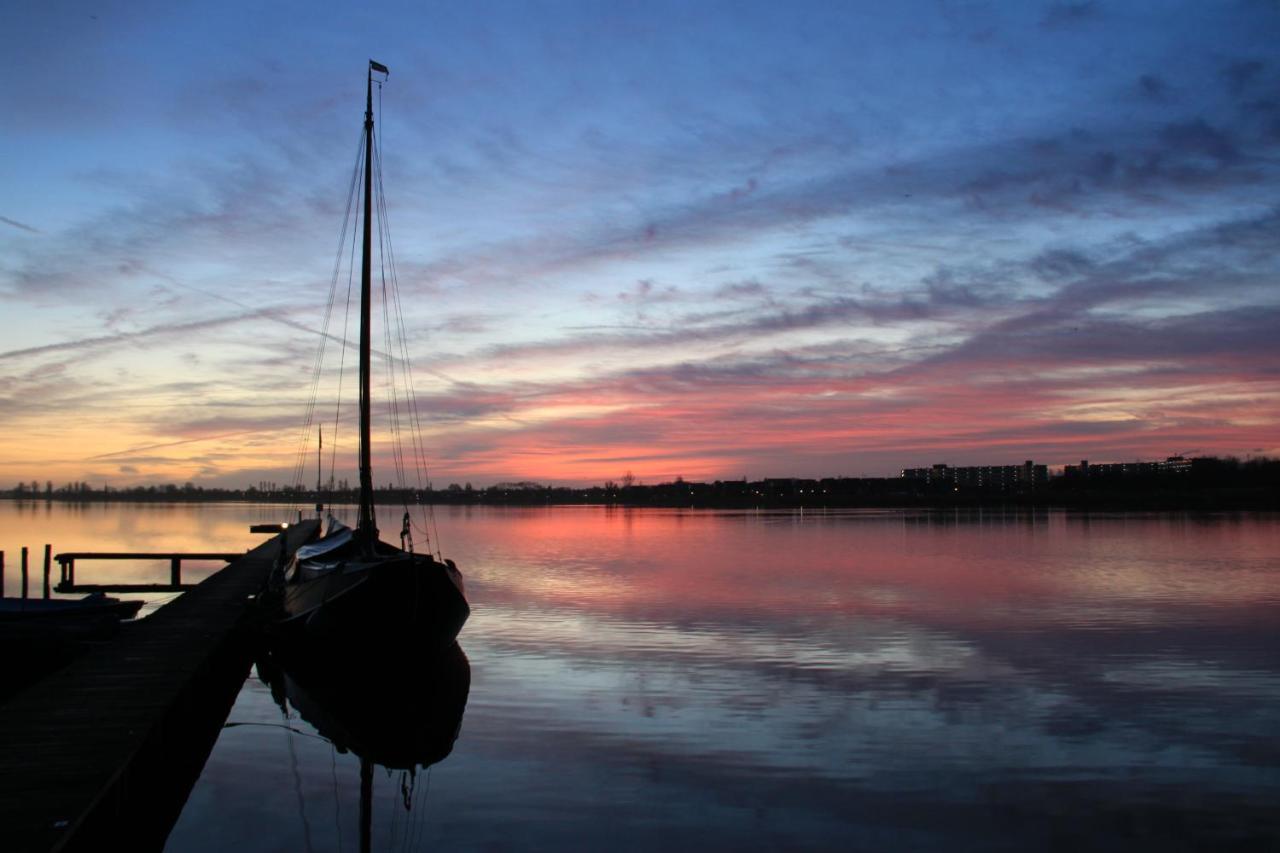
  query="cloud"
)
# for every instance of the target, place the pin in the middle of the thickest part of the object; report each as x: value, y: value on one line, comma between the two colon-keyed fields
x: 22, y: 226
x: 1060, y: 15
x: 1037, y: 373
x: 937, y: 298
x: 1078, y: 171
x: 864, y: 270
x: 1153, y: 88
x: 147, y: 335
x: 1241, y: 74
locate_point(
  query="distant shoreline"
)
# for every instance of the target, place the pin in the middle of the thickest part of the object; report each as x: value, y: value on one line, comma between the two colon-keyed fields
x: 1260, y: 500
x: 1203, y: 484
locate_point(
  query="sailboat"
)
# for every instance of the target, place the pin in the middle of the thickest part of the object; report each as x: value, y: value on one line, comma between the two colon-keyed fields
x: 350, y: 587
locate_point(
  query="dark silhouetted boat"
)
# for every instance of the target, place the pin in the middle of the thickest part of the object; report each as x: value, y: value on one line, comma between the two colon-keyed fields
x: 92, y: 610
x: 42, y: 635
x: 350, y: 587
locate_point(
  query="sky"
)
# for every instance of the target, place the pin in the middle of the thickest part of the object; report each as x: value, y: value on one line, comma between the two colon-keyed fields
x: 695, y: 239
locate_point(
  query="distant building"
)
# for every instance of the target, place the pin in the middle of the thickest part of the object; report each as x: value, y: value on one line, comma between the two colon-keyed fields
x: 987, y: 478
x: 1174, y: 465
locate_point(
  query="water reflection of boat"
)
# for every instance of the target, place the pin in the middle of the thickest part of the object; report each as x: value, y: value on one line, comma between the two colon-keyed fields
x: 401, y: 716
x: 349, y: 586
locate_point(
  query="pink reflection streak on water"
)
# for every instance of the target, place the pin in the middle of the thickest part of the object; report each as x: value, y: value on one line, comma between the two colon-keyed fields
x: 661, y: 564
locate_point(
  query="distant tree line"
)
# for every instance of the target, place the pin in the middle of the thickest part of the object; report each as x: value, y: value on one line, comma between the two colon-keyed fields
x: 1202, y: 483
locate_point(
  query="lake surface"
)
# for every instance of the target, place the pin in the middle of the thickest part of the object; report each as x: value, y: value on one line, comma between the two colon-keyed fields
x: 736, y: 680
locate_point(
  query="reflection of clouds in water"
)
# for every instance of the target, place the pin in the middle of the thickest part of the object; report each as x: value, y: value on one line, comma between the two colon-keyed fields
x: 1171, y: 675
x: 894, y: 727
x: 1153, y: 579
x: 886, y: 700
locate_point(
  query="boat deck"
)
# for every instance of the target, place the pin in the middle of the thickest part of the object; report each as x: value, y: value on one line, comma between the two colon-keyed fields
x: 104, y: 748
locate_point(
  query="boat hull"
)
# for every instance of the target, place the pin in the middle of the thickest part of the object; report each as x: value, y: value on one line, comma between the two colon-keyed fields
x: 392, y: 599
x: 90, y: 610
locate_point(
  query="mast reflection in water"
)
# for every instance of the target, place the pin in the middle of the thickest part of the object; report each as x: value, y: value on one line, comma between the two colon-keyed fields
x: 403, y: 718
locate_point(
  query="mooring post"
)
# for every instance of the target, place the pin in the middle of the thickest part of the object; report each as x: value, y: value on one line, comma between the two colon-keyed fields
x: 48, y: 566
x: 24, y: 571
x: 1, y: 574
x: 175, y: 571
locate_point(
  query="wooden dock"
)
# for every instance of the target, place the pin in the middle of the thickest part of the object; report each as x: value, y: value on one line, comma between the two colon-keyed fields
x: 102, y: 754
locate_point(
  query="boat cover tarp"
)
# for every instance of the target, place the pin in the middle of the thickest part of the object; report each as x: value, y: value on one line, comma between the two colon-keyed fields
x: 323, y: 555
x: 337, y: 536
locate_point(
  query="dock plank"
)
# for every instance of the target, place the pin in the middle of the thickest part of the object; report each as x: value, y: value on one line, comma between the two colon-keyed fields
x: 77, y: 747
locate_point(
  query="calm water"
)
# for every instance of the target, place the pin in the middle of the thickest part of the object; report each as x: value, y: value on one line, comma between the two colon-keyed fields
x: 866, y: 680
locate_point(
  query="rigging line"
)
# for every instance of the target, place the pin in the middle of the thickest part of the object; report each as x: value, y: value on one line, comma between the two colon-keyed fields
x: 419, y: 447
x: 402, y: 338
x: 384, y: 252
x: 408, y: 790
x: 384, y: 239
x: 318, y: 362
x: 337, y: 800
x: 418, y: 444
x: 408, y: 794
x: 392, y: 818
x: 415, y: 435
x: 299, y: 732
x: 411, y: 806
x: 297, y: 789
x: 422, y: 806
x: 397, y: 447
x: 415, y: 423
x: 392, y: 408
x: 394, y: 404
x: 342, y: 356
x: 319, y: 358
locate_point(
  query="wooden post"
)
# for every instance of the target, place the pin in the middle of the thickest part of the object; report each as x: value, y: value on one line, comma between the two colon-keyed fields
x: 1, y: 574
x: 24, y: 571
x: 71, y: 571
x: 175, y: 571
x: 48, y: 566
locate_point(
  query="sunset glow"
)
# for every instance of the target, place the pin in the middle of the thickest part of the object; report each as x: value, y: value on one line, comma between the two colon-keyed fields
x: 699, y: 240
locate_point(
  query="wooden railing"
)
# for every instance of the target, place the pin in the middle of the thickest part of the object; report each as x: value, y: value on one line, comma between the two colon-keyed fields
x: 67, y: 561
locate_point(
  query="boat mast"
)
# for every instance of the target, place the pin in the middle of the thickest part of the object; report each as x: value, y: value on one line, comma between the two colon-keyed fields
x: 366, y: 528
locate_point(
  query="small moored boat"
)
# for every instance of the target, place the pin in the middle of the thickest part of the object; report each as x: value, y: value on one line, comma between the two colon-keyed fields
x: 72, y: 612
